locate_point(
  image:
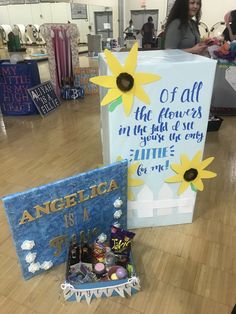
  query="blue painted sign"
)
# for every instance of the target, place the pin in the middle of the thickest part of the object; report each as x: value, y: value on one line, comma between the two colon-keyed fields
x: 15, y: 79
x: 44, y: 98
x: 44, y: 219
x: 72, y: 93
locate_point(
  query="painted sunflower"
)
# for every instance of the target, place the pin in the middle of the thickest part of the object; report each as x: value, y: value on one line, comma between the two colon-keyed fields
x: 191, y: 172
x: 125, y: 82
x: 132, y: 182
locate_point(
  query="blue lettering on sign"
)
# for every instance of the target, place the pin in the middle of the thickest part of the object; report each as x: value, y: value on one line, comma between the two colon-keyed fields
x: 157, y: 137
x: 142, y: 170
x: 188, y: 94
x: 159, y: 167
x: 188, y: 125
x: 166, y: 113
x: 192, y: 95
x: 151, y: 153
x: 138, y: 129
x: 198, y: 136
x: 141, y: 115
x: 162, y: 127
x: 173, y: 125
x: 164, y: 97
x: 124, y: 130
x: 174, y: 137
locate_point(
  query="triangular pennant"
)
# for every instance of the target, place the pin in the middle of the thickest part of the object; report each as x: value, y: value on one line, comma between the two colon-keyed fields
x: 135, y: 286
x: 128, y: 290
x: 67, y: 293
x: 134, y: 281
x: 78, y: 296
x: 109, y: 292
x: 93, y: 294
x: 88, y: 296
x: 98, y: 293
x: 129, y: 287
x: 103, y: 293
x: 120, y: 291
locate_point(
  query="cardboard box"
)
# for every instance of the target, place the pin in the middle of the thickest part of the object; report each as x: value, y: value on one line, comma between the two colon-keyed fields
x: 154, y: 136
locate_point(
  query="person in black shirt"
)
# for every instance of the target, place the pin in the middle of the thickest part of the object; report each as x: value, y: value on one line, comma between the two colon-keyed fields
x: 230, y: 31
x: 148, y: 33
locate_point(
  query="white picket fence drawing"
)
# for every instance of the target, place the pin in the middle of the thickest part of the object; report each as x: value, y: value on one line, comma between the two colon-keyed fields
x: 145, y: 206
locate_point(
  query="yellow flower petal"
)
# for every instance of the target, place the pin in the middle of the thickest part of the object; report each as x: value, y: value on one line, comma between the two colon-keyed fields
x: 196, y: 160
x: 184, y: 161
x: 130, y: 195
x: 133, y: 168
x: 183, y: 186
x: 186, y: 165
x: 127, y: 102
x: 198, y: 184
x: 119, y: 158
x: 206, y: 162
x: 173, y: 179
x: 113, y: 63
x: 145, y: 78
x: 116, y: 69
x: 111, y: 95
x: 141, y: 94
x: 104, y: 81
x: 134, y: 182
x: 205, y: 174
x: 131, y: 60
x: 177, y: 168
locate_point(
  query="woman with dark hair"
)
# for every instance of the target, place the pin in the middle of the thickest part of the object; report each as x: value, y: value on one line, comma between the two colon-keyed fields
x: 182, y: 27
x: 230, y: 31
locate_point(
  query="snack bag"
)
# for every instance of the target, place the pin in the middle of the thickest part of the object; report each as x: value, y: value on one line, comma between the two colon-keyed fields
x: 121, y: 243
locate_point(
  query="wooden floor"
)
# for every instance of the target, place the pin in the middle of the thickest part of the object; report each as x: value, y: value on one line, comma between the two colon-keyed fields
x: 185, y: 269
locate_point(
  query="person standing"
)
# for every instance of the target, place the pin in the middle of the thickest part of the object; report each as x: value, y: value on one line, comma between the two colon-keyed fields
x: 129, y: 31
x: 182, y: 27
x: 230, y: 31
x: 148, y: 33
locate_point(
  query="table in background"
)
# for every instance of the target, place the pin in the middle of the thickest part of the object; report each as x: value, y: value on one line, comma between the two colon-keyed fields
x: 224, y: 90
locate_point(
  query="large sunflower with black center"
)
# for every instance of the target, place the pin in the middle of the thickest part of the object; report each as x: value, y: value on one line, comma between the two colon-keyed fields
x: 191, y: 172
x: 124, y: 82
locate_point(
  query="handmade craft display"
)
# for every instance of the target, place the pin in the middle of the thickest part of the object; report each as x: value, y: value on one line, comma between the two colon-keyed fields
x: 103, y: 268
x: 45, y: 220
x: 15, y: 79
x: 81, y: 79
x: 62, y: 47
x: 44, y: 98
x: 155, y: 109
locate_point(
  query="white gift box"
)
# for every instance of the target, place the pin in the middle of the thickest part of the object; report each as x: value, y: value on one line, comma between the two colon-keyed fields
x: 154, y: 136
